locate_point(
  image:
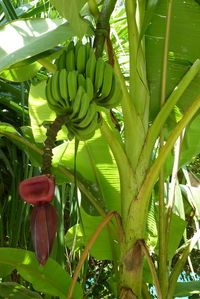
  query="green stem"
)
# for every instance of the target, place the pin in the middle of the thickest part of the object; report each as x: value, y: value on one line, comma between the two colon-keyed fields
x: 133, y: 43
x: 103, y: 26
x: 134, y: 139
x: 139, y: 92
x: 162, y: 264
x: 177, y: 151
x: 152, y: 268
x: 139, y: 207
x: 180, y: 263
x: 162, y: 117
x: 127, y: 178
x: 163, y: 273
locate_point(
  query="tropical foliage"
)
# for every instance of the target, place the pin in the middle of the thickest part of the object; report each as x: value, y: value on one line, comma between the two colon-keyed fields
x: 127, y: 199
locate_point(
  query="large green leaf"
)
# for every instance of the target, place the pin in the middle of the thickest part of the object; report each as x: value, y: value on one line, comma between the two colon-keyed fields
x: 187, y: 288
x: 40, y: 113
x: 77, y: 238
x: 184, y: 49
x: 96, y: 164
x: 16, y: 291
x: 100, y: 252
x: 21, y: 39
x: 71, y: 11
x: 50, y: 279
x: 5, y: 270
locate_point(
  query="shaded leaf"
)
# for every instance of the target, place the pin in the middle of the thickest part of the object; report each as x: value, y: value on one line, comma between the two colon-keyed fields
x: 12, y: 134
x: 5, y: 270
x: 16, y: 291
x: 191, y: 142
x: 184, y: 49
x: 149, y: 11
x: 187, y: 288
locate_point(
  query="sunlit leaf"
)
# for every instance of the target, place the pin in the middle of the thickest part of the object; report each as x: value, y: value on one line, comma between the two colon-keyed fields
x: 50, y: 279
x: 41, y: 114
x: 22, y: 73
x: 30, y: 37
x: 76, y: 237
x: 71, y: 11
x: 177, y: 228
x: 96, y: 164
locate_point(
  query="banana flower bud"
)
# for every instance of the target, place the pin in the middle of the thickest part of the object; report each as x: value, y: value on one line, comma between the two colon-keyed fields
x: 43, y: 224
x: 37, y: 189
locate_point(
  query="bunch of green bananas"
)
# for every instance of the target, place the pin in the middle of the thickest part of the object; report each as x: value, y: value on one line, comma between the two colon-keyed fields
x: 74, y: 57
x: 107, y: 89
x: 80, y: 83
x: 68, y: 93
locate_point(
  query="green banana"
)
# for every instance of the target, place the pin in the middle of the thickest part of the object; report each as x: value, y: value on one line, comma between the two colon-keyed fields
x: 81, y: 81
x: 72, y: 84
x: 51, y: 101
x: 92, y: 110
x: 89, y: 131
x: 90, y: 66
x: 78, y: 44
x: 81, y: 59
x: 77, y: 102
x: 83, y: 109
x: 107, y: 80
x: 88, y: 50
x: 64, y: 87
x: 70, y: 46
x: 70, y: 60
x: 61, y: 61
x: 89, y: 89
x: 55, y: 90
x: 114, y: 96
x: 99, y: 74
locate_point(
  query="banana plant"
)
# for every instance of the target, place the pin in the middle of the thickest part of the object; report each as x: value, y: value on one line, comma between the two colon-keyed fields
x: 126, y: 167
